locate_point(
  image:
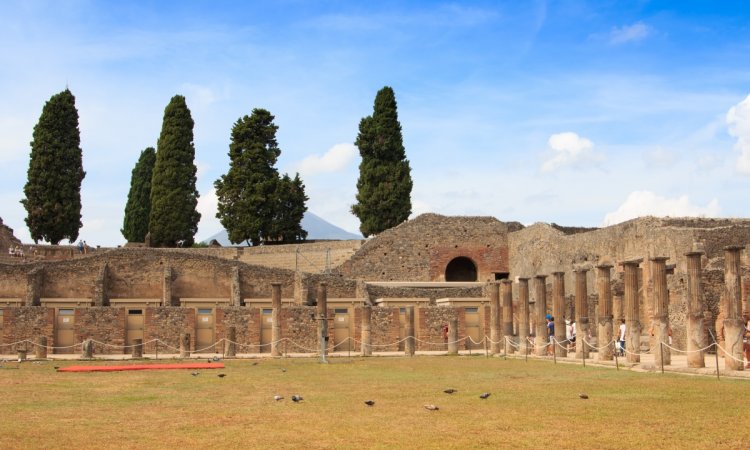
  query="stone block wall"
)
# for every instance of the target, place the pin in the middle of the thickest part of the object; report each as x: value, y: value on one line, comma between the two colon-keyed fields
x: 103, y: 324
x: 430, y: 322
x: 384, y: 329
x: 298, y: 323
x: 167, y: 323
x: 246, y: 322
x: 421, y: 248
x: 27, y: 322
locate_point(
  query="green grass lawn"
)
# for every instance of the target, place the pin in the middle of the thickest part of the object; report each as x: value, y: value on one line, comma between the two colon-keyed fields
x: 534, y: 404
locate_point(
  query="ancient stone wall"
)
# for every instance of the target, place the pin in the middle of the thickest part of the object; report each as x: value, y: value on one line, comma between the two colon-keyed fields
x: 27, y: 323
x: 166, y: 324
x: 246, y: 322
x: 102, y: 324
x: 420, y: 249
x: 385, y: 329
x: 430, y: 322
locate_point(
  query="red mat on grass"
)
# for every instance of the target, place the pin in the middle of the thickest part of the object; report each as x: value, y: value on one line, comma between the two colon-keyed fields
x: 122, y: 367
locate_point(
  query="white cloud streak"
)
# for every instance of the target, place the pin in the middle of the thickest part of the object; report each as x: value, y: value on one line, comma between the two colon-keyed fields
x: 335, y: 159
x: 738, y: 122
x: 629, y: 33
x: 646, y: 203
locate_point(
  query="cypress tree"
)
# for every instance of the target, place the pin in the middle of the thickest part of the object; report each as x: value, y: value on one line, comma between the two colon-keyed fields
x: 138, y: 208
x: 290, y: 209
x: 53, y: 187
x: 384, y: 184
x: 246, y: 193
x: 174, y: 198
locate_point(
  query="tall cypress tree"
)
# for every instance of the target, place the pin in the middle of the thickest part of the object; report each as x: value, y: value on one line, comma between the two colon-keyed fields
x: 246, y: 194
x: 138, y: 208
x: 174, y: 198
x: 290, y: 209
x: 53, y: 187
x: 384, y: 184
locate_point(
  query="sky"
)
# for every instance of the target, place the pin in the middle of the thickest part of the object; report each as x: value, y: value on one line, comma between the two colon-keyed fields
x: 581, y: 113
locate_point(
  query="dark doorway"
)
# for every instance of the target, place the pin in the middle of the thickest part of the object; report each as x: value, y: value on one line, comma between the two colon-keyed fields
x: 501, y: 276
x: 461, y: 269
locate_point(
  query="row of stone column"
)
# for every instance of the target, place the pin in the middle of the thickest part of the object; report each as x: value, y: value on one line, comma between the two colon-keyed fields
x: 734, y: 328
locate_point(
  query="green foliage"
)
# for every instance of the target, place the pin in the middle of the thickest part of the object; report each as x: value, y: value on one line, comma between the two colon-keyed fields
x: 138, y: 208
x: 254, y: 204
x: 384, y: 185
x: 290, y: 208
x: 174, y: 198
x: 53, y: 187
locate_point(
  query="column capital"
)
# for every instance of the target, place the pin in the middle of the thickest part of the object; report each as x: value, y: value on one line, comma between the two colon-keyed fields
x: 695, y: 253
x: 540, y: 277
x: 605, y: 266
x: 631, y: 262
x: 730, y: 248
x: 506, y: 281
x: 558, y: 272
x: 658, y: 259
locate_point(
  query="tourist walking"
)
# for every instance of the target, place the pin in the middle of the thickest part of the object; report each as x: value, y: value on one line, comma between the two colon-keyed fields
x: 621, y: 338
x: 550, y: 334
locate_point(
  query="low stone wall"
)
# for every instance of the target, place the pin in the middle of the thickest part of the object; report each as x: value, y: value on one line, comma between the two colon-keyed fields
x: 166, y: 324
x: 26, y: 323
x: 102, y: 324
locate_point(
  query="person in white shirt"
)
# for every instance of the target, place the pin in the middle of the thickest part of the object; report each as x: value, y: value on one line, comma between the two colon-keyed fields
x: 621, y: 337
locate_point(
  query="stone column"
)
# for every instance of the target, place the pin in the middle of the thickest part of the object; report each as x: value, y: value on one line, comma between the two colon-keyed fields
x: 184, y: 345
x: 604, y: 291
x: 523, y: 315
x: 276, y: 319
x: 40, y: 350
x: 506, y: 292
x: 366, y: 330
x: 236, y: 289
x: 166, y: 299
x: 322, y: 310
x: 410, y: 344
x: 453, y: 336
x: 582, y: 314
x: 660, y: 326
x: 734, y: 328
x: 558, y: 312
x: 631, y: 311
x: 137, y: 349
x: 540, y: 308
x: 695, y: 329
x: 495, y: 335
x: 34, y: 286
x: 230, y: 348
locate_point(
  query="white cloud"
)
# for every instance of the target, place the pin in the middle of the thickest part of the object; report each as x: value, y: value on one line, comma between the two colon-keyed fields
x: 738, y: 120
x: 208, y: 204
x: 629, y: 33
x: 569, y: 149
x: 336, y: 158
x: 646, y: 203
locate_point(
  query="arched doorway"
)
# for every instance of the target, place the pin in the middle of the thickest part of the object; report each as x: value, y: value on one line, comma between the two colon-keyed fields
x: 461, y: 269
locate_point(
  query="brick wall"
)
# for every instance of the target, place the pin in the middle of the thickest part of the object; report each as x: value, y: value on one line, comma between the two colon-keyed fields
x: 103, y: 324
x: 27, y: 322
x: 167, y: 323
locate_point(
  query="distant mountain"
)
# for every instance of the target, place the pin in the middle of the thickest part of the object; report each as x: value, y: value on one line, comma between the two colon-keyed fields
x: 316, y: 227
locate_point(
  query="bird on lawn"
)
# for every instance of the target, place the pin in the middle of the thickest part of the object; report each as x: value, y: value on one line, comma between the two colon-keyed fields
x: 221, y: 375
x: 450, y: 391
x: 278, y: 398
x: 283, y: 370
x: 297, y: 398
x: 255, y: 363
x: 56, y: 367
x: 583, y: 396
x: 195, y: 374
x: 369, y: 402
x: 485, y: 395
x: 431, y: 407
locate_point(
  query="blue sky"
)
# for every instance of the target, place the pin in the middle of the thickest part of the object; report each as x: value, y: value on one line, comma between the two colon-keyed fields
x: 575, y: 112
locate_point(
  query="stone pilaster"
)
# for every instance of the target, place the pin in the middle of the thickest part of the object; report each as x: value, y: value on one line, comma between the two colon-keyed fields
x: 410, y: 344
x: 631, y: 311
x: 276, y: 319
x: 582, y: 314
x: 322, y: 310
x: 695, y: 330
x: 506, y: 292
x: 495, y: 335
x: 604, y: 291
x: 366, y: 330
x: 540, y: 308
x: 523, y: 315
x: 100, y: 287
x: 734, y: 327
x: 660, y: 326
x: 166, y: 297
x: 453, y: 336
x: 558, y: 312
x: 236, y: 288
x: 34, y: 286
